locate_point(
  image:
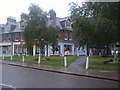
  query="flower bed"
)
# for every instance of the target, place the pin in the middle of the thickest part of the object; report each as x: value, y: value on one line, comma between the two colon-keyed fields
x: 111, y: 60
x: 43, y: 59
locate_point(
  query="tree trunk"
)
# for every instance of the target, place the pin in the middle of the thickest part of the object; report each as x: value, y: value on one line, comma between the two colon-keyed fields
x: 87, y: 50
x: 108, y: 50
x: 114, y: 53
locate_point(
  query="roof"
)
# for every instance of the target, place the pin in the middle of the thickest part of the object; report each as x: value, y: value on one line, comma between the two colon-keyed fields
x: 13, y: 26
x: 60, y: 22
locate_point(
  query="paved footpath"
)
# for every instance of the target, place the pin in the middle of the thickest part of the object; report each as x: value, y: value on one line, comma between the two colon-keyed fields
x: 79, y: 63
x: 72, y: 70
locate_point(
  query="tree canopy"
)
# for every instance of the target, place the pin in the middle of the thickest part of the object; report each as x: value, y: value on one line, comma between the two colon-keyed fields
x: 96, y: 22
x: 36, y: 31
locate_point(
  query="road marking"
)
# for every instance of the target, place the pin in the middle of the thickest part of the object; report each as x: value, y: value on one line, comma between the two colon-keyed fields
x: 14, y: 88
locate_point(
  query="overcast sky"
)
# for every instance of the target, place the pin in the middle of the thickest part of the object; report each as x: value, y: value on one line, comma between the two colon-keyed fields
x: 16, y: 7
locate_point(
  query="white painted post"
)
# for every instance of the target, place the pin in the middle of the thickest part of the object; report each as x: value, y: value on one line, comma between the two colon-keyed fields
x: 11, y: 57
x: 23, y: 58
x: 87, y: 62
x: 34, y: 48
x: 45, y: 50
x: 3, y: 57
x: 13, y: 48
x: 39, y: 57
x: 48, y: 50
x: 65, y: 61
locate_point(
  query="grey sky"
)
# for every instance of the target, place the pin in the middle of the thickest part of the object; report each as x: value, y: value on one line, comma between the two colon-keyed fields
x: 16, y: 7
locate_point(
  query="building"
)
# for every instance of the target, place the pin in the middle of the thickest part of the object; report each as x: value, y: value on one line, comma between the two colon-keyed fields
x: 11, y: 38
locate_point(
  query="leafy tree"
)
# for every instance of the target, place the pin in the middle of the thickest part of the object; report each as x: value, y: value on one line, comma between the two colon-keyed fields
x: 53, y: 36
x: 104, y: 26
x: 36, y: 31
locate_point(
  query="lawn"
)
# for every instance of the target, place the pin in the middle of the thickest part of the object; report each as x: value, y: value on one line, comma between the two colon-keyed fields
x: 96, y: 63
x: 54, y: 60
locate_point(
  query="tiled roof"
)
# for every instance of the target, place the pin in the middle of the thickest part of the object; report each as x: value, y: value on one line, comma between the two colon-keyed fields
x: 60, y: 22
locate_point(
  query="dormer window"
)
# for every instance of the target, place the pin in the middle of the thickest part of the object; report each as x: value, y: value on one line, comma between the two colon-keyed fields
x: 68, y: 24
x: 13, y: 27
x: 22, y: 24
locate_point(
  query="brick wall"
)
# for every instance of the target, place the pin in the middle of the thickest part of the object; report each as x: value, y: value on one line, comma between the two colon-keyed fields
x: 65, y: 35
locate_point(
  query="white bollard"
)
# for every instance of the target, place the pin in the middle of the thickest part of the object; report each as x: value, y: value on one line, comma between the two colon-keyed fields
x: 39, y: 58
x: 87, y: 62
x: 23, y: 58
x: 65, y: 61
x: 3, y: 57
x: 11, y: 58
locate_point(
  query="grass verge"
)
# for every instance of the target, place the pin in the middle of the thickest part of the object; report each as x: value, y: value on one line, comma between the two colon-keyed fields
x: 96, y: 63
x: 54, y: 60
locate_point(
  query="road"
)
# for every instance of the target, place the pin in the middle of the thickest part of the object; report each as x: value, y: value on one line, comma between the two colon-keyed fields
x: 21, y: 77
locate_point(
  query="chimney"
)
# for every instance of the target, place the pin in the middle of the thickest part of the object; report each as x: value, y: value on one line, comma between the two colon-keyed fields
x: 11, y: 19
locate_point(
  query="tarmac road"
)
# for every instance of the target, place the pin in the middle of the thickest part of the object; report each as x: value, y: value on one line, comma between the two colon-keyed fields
x: 19, y: 77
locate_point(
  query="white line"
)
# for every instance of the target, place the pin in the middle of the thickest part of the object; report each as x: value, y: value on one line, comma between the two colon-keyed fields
x: 14, y: 88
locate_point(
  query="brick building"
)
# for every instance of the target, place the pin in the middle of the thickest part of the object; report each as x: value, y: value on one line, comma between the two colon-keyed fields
x: 11, y: 37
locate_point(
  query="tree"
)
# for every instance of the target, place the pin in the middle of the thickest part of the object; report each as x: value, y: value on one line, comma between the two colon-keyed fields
x: 104, y: 25
x: 53, y: 36
x: 36, y: 31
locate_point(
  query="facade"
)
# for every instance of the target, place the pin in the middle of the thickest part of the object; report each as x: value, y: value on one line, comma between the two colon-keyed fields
x: 11, y: 38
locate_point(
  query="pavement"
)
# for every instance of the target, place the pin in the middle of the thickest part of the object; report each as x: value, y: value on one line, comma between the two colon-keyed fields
x: 79, y: 63
x: 76, y: 68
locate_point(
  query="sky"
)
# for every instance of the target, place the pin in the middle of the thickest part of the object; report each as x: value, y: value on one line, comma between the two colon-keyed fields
x: 14, y: 8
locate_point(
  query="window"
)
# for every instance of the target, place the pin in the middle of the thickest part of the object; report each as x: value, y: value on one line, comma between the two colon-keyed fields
x: 2, y: 28
x: 22, y: 25
x: 66, y: 37
x: 13, y: 27
x: 68, y: 24
x: 16, y: 36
